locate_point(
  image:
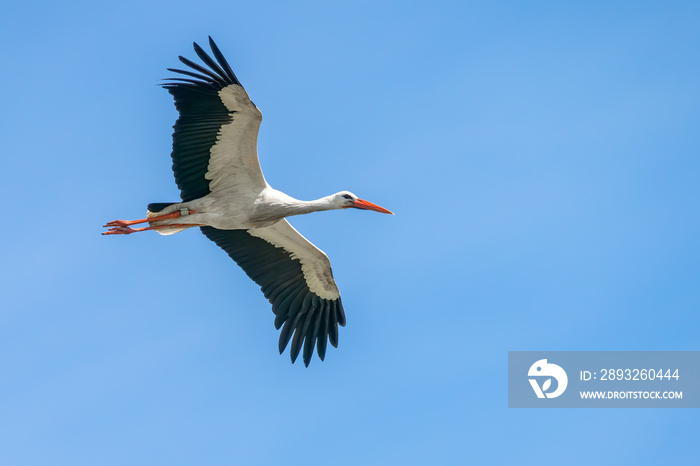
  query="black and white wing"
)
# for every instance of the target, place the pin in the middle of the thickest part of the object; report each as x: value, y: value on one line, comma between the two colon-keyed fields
x: 295, y: 276
x: 215, y: 137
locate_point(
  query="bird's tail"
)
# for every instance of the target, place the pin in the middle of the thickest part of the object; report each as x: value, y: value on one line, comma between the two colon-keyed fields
x: 154, y: 208
x: 157, y: 208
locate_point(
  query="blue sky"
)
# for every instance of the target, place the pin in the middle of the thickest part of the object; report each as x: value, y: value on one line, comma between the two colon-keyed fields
x: 542, y: 160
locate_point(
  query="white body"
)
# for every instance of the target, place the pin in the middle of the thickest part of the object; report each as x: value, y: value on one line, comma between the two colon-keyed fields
x: 216, y: 167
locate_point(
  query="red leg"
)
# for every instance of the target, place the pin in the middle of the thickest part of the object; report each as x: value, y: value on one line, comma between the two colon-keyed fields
x: 126, y: 230
x: 126, y: 223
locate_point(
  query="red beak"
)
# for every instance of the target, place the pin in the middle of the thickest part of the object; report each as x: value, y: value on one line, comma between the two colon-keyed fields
x: 362, y: 204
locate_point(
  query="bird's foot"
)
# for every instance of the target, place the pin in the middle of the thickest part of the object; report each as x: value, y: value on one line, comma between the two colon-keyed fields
x: 121, y: 230
x: 118, y: 223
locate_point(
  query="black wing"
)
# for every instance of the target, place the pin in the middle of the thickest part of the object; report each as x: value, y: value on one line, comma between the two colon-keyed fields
x: 217, y: 128
x: 287, y: 267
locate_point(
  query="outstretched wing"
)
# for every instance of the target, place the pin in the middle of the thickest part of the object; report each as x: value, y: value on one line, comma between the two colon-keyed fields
x: 295, y: 276
x: 215, y: 137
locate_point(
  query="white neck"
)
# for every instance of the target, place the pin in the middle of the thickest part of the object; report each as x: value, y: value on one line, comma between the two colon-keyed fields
x: 297, y: 207
x: 275, y: 205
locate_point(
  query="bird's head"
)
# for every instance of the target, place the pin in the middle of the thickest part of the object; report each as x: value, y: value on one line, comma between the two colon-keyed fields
x: 346, y: 199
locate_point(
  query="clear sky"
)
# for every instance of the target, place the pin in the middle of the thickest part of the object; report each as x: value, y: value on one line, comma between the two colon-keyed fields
x: 543, y: 162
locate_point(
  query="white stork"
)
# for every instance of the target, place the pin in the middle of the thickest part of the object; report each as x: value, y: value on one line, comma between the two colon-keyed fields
x: 215, y: 162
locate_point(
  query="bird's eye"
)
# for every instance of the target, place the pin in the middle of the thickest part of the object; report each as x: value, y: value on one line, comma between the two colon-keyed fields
x: 347, y: 196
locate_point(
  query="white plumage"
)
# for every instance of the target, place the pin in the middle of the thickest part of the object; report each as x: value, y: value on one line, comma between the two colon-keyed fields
x: 223, y: 190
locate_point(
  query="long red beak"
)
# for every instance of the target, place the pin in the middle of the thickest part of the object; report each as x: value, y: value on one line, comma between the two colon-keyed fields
x: 362, y: 204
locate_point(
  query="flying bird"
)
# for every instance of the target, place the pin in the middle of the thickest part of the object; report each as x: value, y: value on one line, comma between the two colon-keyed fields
x: 224, y: 192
